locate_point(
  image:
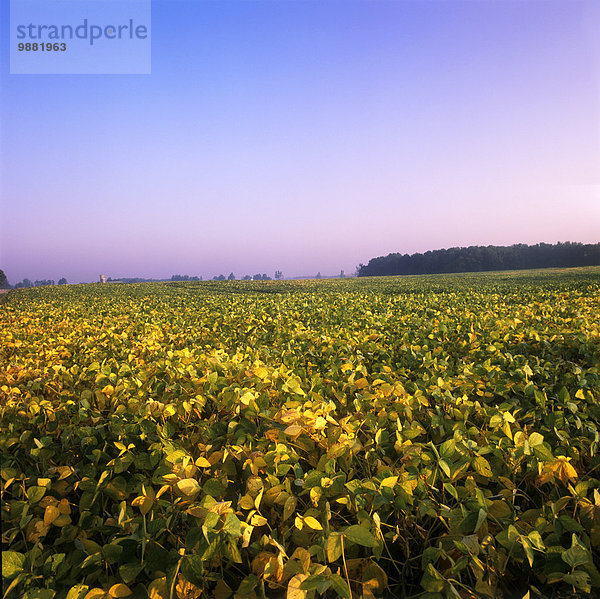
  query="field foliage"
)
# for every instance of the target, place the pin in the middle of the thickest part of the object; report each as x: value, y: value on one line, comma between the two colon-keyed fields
x: 431, y: 436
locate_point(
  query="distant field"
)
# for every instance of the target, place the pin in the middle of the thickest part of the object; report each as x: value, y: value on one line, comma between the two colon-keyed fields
x: 432, y: 436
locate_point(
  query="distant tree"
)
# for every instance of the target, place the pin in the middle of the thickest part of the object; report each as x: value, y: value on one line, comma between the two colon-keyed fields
x: 27, y: 283
x: 257, y: 277
x: 266, y: 277
x: 318, y: 275
x: 231, y: 277
x: 62, y: 281
x: 278, y: 275
x: 247, y: 278
x: 185, y: 278
x: 342, y: 274
x: 3, y: 281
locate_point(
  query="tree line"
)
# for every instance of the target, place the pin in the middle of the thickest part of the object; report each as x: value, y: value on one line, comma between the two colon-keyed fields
x: 484, y: 258
x: 256, y: 277
x: 4, y: 284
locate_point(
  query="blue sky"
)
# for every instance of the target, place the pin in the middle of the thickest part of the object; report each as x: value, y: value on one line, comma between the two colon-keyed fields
x: 306, y: 136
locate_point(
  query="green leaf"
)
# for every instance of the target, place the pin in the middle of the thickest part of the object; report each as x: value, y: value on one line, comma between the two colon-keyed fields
x: 577, y: 555
x: 536, y: 540
x: 360, y: 535
x: 340, y: 586
x: 247, y: 585
x: 39, y: 594
x: 444, y: 467
x: 129, y: 572
x: 214, y: 488
x: 53, y: 562
x: 333, y: 547
x: 35, y: 494
x: 112, y: 552
x: 432, y: 581
x: 528, y: 550
x: 535, y: 439
x: 316, y: 582
x: 232, y: 526
x: 12, y: 564
x: 580, y: 580
x: 192, y: 568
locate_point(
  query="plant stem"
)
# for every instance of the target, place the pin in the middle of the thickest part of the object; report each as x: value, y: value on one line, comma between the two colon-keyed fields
x: 345, y: 567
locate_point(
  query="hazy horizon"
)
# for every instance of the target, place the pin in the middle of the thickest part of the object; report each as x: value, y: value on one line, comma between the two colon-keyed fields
x: 306, y: 137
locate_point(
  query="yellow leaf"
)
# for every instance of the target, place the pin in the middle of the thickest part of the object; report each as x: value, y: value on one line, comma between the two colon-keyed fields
x: 312, y: 523
x: 389, y: 481
x: 293, y: 590
x: 386, y: 389
x: 559, y: 468
x: 246, y: 502
x: 247, y: 398
x: 293, y: 431
x: 188, y: 486
x: 221, y: 507
x: 320, y: 423
x: 246, y: 534
x: 95, y: 594
x: 158, y: 589
x: 260, y: 561
x: 186, y: 590
x: 144, y: 503
x: 258, y: 520
x: 261, y: 372
x: 289, y: 507
x: 482, y: 467
x: 51, y: 514
x: 202, y: 462
x: 119, y: 590
x: 565, y: 470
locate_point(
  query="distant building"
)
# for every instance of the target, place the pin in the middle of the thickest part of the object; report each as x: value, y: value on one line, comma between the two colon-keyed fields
x: 102, y: 278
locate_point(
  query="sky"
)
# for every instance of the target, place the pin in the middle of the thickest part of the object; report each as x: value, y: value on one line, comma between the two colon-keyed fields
x: 306, y: 136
